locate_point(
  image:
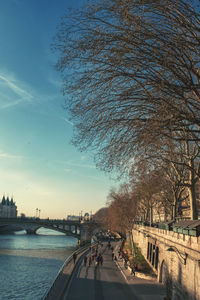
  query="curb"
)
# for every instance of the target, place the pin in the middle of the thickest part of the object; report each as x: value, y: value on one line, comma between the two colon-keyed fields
x: 124, y: 275
x: 137, y: 274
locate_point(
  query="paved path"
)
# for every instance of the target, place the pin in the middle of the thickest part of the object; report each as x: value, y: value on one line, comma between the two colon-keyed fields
x: 110, y: 281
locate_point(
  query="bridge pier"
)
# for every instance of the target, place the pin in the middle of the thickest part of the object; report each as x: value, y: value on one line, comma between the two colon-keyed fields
x: 30, y: 228
x: 76, y: 230
x: 86, y: 232
x: 31, y: 231
x: 81, y: 230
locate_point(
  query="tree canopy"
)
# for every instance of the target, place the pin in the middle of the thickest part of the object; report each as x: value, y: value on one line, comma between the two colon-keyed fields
x: 131, y: 74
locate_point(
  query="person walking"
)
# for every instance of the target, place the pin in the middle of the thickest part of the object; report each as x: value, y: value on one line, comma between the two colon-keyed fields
x: 85, y: 260
x: 97, y: 261
x: 74, y: 257
x: 101, y: 259
x: 89, y: 260
x: 113, y: 255
x: 133, y: 271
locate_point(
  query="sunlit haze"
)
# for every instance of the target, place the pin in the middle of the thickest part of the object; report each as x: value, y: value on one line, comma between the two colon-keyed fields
x: 39, y: 167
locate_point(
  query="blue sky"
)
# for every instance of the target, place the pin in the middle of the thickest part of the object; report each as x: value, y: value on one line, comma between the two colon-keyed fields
x: 38, y: 165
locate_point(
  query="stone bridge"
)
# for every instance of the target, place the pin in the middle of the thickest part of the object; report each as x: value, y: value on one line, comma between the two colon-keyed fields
x: 82, y: 230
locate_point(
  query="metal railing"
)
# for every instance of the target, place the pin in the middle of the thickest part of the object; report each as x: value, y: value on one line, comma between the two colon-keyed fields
x: 57, y: 280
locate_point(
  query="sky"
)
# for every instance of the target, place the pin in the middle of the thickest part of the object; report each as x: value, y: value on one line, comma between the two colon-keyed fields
x: 39, y: 167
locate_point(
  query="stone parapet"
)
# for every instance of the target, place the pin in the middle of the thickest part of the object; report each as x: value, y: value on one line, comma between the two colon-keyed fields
x: 175, y: 258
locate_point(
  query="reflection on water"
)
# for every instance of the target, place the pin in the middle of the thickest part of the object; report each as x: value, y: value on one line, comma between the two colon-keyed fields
x: 30, y: 263
x: 24, y: 278
x: 51, y: 254
x: 44, y: 239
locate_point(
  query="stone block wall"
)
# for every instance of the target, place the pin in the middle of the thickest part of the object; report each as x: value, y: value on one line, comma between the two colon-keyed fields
x: 175, y: 259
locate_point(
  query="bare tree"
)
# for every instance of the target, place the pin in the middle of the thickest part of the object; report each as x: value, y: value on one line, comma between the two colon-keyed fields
x: 152, y: 189
x: 131, y: 77
x: 122, y: 208
x: 131, y: 69
x: 179, y: 160
x: 101, y: 216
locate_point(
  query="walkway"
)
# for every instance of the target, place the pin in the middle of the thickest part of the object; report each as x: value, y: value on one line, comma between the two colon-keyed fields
x: 110, y: 281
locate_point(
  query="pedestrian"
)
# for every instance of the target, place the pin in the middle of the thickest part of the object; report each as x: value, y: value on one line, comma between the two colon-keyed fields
x: 101, y: 260
x: 133, y: 270
x: 125, y: 263
x: 97, y: 261
x: 74, y: 257
x: 113, y: 255
x: 89, y: 260
x: 85, y: 260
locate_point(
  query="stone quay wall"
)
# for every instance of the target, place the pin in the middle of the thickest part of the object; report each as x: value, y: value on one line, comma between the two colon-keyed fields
x: 174, y: 257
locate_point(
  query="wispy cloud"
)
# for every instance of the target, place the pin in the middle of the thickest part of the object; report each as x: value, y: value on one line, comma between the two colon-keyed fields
x: 67, y: 170
x: 67, y: 121
x: 9, y: 156
x: 10, y: 104
x: 13, y: 90
x: 74, y: 164
x: 55, y: 81
x: 10, y: 177
x: 92, y: 178
x: 20, y: 182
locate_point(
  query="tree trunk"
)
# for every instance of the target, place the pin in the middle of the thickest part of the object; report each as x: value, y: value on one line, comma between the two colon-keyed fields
x: 150, y: 216
x: 193, y: 206
x: 192, y: 193
x: 173, y: 212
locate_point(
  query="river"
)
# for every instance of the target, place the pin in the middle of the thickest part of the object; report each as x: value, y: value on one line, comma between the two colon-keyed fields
x: 30, y: 263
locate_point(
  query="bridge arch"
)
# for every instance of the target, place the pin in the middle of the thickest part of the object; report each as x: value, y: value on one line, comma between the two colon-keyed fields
x: 33, y: 230
x: 165, y: 278
x: 163, y: 272
x: 82, y: 230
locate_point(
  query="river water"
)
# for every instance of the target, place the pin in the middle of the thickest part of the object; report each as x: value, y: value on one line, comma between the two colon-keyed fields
x: 30, y: 263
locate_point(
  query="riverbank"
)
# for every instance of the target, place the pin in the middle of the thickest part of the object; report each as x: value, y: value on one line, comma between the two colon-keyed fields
x: 30, y: 264
x: 59, y: 254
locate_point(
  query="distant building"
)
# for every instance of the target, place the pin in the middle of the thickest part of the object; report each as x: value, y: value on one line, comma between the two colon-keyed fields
x: 86, y: 217
x: 8, y: 209
x: 73, y: 218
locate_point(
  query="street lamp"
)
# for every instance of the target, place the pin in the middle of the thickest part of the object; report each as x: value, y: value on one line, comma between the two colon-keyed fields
x: 36, y: 212
x: 39, y: 213
x: 183, y: 257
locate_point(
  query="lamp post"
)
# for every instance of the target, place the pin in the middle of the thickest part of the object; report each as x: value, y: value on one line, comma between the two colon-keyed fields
x: 36, y: 212
x: 183, y: 257
x: 39, y: 213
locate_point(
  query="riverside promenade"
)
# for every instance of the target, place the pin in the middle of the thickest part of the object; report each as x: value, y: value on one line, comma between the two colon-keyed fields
x: 109, y: 281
